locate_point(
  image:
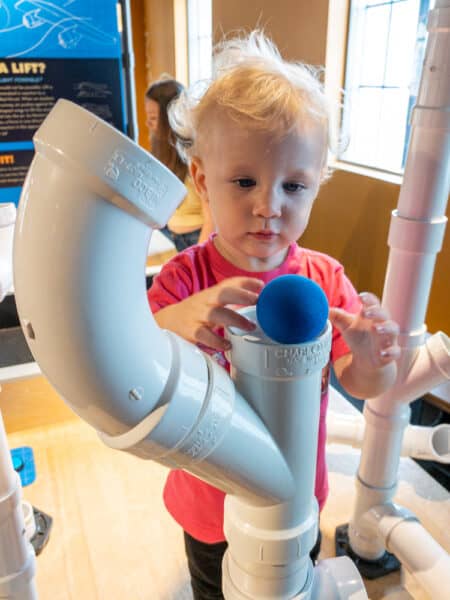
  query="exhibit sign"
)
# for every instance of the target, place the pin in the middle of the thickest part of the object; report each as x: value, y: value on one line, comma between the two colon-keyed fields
x: 49, y: 50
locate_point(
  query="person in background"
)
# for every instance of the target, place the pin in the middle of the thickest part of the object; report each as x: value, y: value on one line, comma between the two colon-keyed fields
x: 257, y: 145
x: 191, y: 222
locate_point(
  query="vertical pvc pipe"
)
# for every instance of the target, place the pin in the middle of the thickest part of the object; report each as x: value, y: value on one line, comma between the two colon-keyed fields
x: 416, y: 234
x: 17, y: 559
x: 268, y: 555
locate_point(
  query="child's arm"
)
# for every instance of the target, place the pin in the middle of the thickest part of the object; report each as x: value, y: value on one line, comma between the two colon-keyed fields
x: 370, y: 368
x: 196, y: 317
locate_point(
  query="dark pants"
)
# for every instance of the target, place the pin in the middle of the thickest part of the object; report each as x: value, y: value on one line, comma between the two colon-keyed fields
x: 182, y: 240
x: 205, y: 566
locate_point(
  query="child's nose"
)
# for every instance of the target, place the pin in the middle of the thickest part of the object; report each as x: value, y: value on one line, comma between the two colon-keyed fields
x: 268, y: 204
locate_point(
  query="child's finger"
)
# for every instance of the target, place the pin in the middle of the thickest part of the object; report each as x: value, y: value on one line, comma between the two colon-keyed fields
x: 233, y: 293
x: 375, y: 313
x: 341, y: 318
x: 369, y: 299
x: 226, y: 317
x: 206, y: 336
x: 387, y: 333
x: 389, y: 354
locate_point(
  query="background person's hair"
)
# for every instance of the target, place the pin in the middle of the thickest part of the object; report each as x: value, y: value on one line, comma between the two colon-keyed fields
x: 254, y: 85
x: 163, y: 141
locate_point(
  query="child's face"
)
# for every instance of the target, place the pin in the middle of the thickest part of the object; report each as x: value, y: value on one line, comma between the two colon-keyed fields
x: 260, y: 188
x: 151, y: 115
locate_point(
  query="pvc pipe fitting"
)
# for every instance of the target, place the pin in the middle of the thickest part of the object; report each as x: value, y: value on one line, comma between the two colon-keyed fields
x: 213, y: 434
x: 430, y: 566
x: 364, y: 537
x: 268, y: 553
x: 427, y: 443
x: 82, y: 250
x: 335, y: 579
x: 429, y: 368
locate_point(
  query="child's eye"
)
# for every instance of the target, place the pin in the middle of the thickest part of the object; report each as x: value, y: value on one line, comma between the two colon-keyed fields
x: 245, y: 182
x: 290, y: 186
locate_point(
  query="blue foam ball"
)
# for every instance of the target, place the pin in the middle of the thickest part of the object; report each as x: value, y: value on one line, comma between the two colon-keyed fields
x: 292, y: 309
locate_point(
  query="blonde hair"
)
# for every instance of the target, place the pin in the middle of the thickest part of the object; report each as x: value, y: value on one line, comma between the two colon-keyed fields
x: 254, y: 85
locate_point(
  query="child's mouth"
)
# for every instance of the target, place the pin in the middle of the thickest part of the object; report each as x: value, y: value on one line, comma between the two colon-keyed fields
x: 264, y: 235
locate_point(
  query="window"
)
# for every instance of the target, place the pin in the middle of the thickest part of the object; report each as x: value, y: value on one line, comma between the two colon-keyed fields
x: 199, y: 24
x: 384, y: 60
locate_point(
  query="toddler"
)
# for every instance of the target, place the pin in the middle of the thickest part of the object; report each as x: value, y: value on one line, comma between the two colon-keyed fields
x: 256, y: 142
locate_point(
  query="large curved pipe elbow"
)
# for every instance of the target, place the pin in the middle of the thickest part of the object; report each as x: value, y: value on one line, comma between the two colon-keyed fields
x: 88, y: 205
x: 80, y: 246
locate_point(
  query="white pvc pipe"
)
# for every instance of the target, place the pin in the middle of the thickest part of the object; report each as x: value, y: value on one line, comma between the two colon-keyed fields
x: 429, y: 367
x: 419, y: 553
x: 7, y: 220
x: 7, y: 473
x: 427, y: 443
x: 345, y: 429
x: 269, y: 547
x: 17, y: 559
x: 416, y: 234
x: 422, y: 557
x: 334, y: 579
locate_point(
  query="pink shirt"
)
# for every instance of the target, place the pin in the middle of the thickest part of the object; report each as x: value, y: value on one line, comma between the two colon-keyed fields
x: 194, y: 504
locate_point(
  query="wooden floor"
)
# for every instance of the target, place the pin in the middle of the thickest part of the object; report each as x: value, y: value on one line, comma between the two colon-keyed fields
x: 112, y: 538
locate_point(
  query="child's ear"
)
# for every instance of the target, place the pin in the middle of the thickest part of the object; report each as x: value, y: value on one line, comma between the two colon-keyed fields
x: 198, y: 177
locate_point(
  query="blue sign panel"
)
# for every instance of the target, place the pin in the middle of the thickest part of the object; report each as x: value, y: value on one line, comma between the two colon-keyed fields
x: 48, y: 50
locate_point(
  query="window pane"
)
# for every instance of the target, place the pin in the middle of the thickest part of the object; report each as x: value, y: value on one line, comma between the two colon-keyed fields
x: 402, y: 39
x: 374, y: 50
x: 384, y: 61
x: 392, y: 126
x: 199, y: 39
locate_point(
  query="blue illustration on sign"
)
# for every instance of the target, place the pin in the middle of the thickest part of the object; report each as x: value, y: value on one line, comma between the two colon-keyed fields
x: 69, y: 28
x: 48, y: 50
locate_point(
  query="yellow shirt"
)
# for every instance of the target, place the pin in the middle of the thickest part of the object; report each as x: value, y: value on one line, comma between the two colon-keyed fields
x: 189, y: 215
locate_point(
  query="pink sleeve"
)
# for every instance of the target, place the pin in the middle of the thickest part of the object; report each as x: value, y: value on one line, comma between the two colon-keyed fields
x: 172, y: 284
x: 342, y: 294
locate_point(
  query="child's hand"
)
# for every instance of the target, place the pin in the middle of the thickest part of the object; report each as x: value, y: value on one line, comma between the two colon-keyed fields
x: 372, y: 338
x: 196, y: 317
